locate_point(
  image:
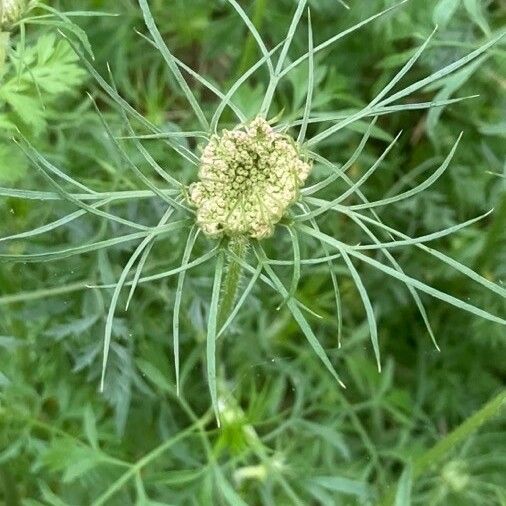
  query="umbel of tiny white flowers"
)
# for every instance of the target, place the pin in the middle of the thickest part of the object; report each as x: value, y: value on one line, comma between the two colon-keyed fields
x: 10, y: 12
x: 248, y: 177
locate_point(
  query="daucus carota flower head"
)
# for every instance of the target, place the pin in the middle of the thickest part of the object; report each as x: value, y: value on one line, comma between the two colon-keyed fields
x: 248, y: 178
x: 10, y: 12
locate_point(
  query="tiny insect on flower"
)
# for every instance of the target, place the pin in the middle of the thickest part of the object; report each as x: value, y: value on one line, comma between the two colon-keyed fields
x: 248, y: 178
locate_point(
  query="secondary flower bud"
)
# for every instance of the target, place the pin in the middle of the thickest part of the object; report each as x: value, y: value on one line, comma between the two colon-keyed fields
x: 248, y: 178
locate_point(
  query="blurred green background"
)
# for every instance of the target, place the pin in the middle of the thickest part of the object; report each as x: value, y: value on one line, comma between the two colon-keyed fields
x: 293, y: 436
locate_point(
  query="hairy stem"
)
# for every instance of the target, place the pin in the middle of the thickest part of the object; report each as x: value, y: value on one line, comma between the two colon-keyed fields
x: 238, y: 247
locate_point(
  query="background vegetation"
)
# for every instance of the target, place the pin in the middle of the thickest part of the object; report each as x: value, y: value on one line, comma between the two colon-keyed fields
x: 291, y: 435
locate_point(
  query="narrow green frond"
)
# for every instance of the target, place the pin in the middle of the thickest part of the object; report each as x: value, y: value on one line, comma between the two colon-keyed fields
x: 274, y: 78
x: 340, y: 35
x: 44, y: 168
x: 201, y: 80
x: 379, y: 110
x: 296, y: 265
x: 417, y: 189
x: 333, y: 277
x: 407, y: 67
x: 396, y: 266
x: 423, y: 238
x: 169, y: 59
x: 124, y: 155
x: 165, y: 135
x: 113, y: 196
x: 463, y: 269
x: 449, y: 69
x: 211, y: 335
x: 49, y: 166
x: 163, y: 174
x: 338, y: 171
x: 117, y: 290
x: 247, y: 267
x: 239, y: 82
x: 258, y: 38
x: 404, y: 278
x: 167, y: 274
x: 53, y: 225
x: 310, y: 83
x: 297, y: 314
x: 305, y: 261
x: 190, y: 243
x: 354, y: 187
x: 123, y: 104
x: 83, y: 248
x: 145, y: 253
x: 371, y: 319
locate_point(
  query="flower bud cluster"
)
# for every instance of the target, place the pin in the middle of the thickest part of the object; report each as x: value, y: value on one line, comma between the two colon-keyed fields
x: 10, y: 12
x: 247, y: 178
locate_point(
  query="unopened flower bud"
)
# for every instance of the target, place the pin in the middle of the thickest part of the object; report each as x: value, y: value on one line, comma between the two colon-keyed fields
x: 248, y: 178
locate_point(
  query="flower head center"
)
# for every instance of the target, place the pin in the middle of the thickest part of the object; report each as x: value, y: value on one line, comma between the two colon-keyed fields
x: 248, y: 177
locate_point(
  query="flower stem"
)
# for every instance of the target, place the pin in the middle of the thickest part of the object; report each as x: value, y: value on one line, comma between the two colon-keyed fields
x: 423, y: 463
x: 238, y: 247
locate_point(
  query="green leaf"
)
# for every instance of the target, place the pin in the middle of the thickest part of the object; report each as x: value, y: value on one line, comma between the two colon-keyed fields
x: 476, y: 13
x: 443, y: 12
x: 403, y: 496
x: 13, y: 165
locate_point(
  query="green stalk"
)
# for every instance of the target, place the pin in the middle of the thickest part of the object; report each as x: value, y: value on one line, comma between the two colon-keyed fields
x: 238, y: 247
x: 423, y: 463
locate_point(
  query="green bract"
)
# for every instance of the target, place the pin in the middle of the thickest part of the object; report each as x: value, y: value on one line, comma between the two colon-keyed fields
x: 248, y: 178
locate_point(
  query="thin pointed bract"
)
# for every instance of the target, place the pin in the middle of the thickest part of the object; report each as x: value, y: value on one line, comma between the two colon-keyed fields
x: 340, y: 35
x: 169, y: 59
x: 463, y: 269
x: 251, y: 27
x: 409, y: 90
x: 44, y: 167
x: 122, y: 103
x: 115, y: 297
x: 297, y: 314
x: 174, y: 203
x: 211, y: 335
x: 239, y: 82
x: 333, y: 278
x: 355, y: 185
x: 190, y: 243
x: 146, y: 249
x: 396, y: 266
x: 371, y: 319
x: 404, y: 278
x: 310, y: 83
x: 274, y: 77
x: 338, y: 171
x: 417, y: 189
